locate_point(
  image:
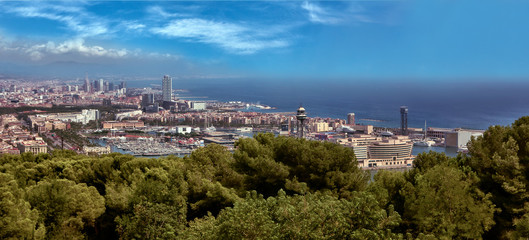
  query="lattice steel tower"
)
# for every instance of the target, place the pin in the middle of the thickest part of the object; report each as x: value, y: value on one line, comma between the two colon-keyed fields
x: 301, y: 117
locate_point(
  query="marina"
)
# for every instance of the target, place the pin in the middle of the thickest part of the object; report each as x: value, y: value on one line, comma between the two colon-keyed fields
x: 150, y: 147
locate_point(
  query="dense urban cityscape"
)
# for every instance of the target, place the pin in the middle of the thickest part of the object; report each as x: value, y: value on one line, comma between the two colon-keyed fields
x: 177, y: 126
x: 249, y: 120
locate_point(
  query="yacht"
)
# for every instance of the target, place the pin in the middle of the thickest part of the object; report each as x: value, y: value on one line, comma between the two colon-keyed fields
x: 423, y: 142
x: 210, y: 129
x: 386, y: 134
x: 345, y: 129
x: 244, y: 129
x: 462, y: 149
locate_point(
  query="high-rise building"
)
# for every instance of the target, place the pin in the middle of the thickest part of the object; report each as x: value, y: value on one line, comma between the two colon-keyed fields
x: 87, y: 84
x: 101, y: 86
x: 404, y: 120
x: 122, y: 85
x: 167, y: 88
x: 351, y: 119
x: 147, y: 99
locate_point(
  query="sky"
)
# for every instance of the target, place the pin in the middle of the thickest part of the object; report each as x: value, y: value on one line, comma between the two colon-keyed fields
x: 377, y: 39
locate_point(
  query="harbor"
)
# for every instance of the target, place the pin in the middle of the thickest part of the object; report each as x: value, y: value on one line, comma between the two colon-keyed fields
x: 147, y: 147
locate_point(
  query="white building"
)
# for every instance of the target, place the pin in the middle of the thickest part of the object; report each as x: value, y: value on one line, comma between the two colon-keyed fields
x: 88, y: 115
x: 460, y: 138
x: 197, y: 106
x: 85, y: 116
x: 120, y: 116
x: 181, y: 129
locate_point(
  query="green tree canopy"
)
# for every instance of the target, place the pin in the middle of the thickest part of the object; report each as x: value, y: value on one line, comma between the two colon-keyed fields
x: 67, y: 209
x: 17, y: 219
x: 271, y: 163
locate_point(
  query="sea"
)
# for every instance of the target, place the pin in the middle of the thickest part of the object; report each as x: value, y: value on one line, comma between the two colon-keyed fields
x: 472, y: 104
x: 463, y: 103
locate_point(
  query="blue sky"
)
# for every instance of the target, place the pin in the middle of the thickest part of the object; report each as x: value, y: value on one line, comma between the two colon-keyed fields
x: 442, y: 40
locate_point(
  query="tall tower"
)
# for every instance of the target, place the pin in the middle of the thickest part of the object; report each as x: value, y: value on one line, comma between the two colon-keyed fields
x: 301, y: 117
x: 101, y: 85
x: 404, y: 120
x: 86, y: 84
x: 167, y: 88
x: 351, y: 119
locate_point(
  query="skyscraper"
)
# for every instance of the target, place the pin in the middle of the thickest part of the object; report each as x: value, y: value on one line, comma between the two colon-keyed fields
x: 87, y: 84
x: 101, y: 86
x: 167, y: 88
x: 122, y: 85
x: 147, y: 99
x: 351, y: 119
x: 404, y: 120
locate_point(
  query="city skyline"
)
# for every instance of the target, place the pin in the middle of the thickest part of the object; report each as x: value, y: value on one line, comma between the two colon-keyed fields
x: 275, y: 39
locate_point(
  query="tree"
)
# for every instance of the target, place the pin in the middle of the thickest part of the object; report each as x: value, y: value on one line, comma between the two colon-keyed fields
x: 446, y: 203
x: 155, y: 205
x: 17, y: 219
x: 68, y: 210
x: 271, y: 163
x: 213, y: 184
x: 386, y: 187
x: 500, y: 160
x: 151, y: 221
x: 310, y: 216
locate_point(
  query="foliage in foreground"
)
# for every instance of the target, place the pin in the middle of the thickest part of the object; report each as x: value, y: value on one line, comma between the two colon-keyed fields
x: 270, y: 188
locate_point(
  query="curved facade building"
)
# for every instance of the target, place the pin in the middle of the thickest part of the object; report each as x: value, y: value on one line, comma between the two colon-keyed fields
x: 390, y: 153
x: 380, y: 152
x: 390, y: 149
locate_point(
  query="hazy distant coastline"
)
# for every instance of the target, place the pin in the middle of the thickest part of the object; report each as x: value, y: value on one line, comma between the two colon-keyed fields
x: 467, y: 104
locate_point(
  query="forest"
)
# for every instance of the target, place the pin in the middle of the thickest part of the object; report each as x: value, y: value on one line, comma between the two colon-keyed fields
x: 270, y: 188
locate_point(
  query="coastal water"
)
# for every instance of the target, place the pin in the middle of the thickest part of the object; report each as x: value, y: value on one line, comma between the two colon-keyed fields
x: 466, y: 104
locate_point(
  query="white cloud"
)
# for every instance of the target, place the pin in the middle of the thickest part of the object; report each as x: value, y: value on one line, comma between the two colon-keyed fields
x: 136, y: 26
x: 132, y: 26
x: 76, y: 46
x: 72, y: 50
x: 232, y: 37
x: 159, y: 12
x: 75, y: 18
x: 318, y: 14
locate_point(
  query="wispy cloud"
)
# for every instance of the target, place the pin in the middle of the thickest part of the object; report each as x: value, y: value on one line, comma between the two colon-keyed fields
x: 318, y: 14
x: 132, y: 25
x: 74, y: 18
x: 232, y: 37
x: 160, y: 13
x: 345, y: 13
